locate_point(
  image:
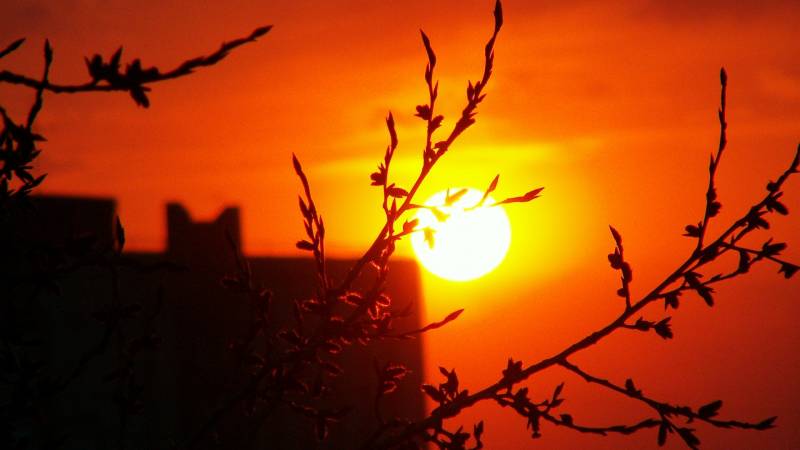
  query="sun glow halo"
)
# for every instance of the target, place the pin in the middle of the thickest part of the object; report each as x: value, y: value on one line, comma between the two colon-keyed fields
x: 469, y: 243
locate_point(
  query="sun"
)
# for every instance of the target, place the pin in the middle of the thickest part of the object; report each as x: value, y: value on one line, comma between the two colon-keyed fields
x: 467, y: 240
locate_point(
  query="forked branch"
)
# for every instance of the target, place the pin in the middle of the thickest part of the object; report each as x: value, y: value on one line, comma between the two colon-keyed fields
x: 685, y: 278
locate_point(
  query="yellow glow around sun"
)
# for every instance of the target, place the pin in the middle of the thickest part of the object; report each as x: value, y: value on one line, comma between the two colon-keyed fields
x: 469, y: 243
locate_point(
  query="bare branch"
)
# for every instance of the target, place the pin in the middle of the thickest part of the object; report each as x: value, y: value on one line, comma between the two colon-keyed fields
x: 106, y: 77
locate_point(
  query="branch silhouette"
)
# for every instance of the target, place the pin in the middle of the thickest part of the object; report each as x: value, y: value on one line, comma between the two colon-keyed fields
x: 683, y: 279
x: 106, y: 76
x: 338, y: 314
x: 18, y: 141
x: 27, y: 389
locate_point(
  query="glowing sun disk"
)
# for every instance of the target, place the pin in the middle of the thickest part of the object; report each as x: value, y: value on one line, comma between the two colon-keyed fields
x: 469, y: 242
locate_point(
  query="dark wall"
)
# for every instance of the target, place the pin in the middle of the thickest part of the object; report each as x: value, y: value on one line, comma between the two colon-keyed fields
x: 193, y: 369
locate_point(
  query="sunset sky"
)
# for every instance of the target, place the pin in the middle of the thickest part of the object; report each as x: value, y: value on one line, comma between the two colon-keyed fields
x: 612, y: 108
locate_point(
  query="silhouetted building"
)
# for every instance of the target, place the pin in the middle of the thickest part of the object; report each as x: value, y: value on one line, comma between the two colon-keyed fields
x: 190, y: 372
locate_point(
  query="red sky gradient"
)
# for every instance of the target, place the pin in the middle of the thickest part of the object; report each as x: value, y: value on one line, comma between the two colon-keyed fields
x: 611, y: 108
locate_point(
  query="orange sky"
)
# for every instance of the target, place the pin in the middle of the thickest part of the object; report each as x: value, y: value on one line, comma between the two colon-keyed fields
x: 611, y: 108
